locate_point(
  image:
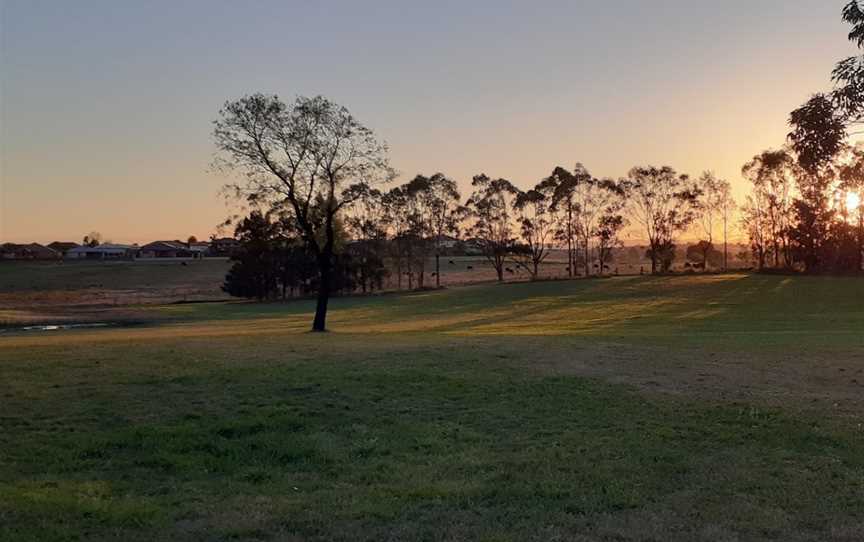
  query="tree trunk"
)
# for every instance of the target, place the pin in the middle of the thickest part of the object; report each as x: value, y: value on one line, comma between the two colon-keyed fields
x: 571, y: 261
x: 320, y: 322
x: 587, y: 259
x: 725, y: 247
x: 437, y: 270
x: 398, y: 272
x: 860, y: 239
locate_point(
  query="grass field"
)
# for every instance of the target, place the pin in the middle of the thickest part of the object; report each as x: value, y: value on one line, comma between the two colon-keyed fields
x: 53, y: 284
x: 721, y: 407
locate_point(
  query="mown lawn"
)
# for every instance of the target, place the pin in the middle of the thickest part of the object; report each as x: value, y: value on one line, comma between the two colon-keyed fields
x: 688, y: 408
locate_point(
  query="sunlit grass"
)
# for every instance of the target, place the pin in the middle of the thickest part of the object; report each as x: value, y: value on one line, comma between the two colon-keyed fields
x: 474, y: 413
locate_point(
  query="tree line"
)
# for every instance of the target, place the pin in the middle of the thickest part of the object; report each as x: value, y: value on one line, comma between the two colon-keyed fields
x: 804, y: 211
x: 323, y: 219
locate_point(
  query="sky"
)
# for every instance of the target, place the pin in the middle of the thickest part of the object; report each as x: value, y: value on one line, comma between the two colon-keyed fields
x: 106, y: 107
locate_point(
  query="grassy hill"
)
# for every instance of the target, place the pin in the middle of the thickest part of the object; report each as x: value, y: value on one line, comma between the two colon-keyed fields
x: 722, y: 407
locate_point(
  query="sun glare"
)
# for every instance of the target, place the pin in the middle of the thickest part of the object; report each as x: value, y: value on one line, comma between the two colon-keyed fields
x: 853, y: 200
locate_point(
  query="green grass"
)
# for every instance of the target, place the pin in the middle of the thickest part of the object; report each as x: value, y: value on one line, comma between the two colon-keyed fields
x: 689, y: 408
x: 119, y: 275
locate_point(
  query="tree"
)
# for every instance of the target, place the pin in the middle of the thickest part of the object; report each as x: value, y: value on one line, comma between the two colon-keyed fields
x: 572, y: 200
x: 716, y: 194
x: 191, y: 240
x: 851, y: 176
x: 664, y: 204
x: 610, y: 223
x: 489, y: 208
x: 727, y: 207
x: 818, y: 137
x: 536, y: 226
x: 772, y: 174
x: 848, y: 75
x: 92, y: 239
x: 438, y: 212
x: 311, y: 158
x: 255, y: 273
x: 592, y: 197
x: 563, y: 184
x: 754, y: 221
x: 704, y: 254
x: 367, y: 224
x: 398, y: 223
x: 417, y: 240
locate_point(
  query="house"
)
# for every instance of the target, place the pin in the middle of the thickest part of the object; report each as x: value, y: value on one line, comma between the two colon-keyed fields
x: 63, y: 246
x: 166, y: 249
x: 224, y: 246
x: 31, y: 251
x: 107, y: 251
x: 200, y: 249
x: 447, y: 241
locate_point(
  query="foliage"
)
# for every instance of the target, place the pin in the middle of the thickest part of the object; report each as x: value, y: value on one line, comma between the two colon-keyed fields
x: 769, y: 210
x: 664, y: 204
x: 536, y: 220
x: 490, y: 213
x: 310, y: 158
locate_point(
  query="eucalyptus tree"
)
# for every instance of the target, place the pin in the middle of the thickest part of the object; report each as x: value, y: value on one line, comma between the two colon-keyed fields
x: 310, y: 158
x: 851, y: 176
x: 593, y: 198
x: 848, y: 74
x: 756, y: 224
x: 564, y: 185
x: 713, y: 211
x: 611, y: 221
x: 367, y: 223
x: 664, y: 203
x: 770, y: 210
x: 818, y: 138
x: 401, y: 225
x: 536, y: 219
x: 491, y: 219
x: 435, y: 200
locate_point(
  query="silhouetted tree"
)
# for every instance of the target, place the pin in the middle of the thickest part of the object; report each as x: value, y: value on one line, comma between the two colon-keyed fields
x: 310, y: 156
x: 716, y: 194
x: 851, y: 176
x: 771, y: 212
x: 434, y: 207
x: 399, y: 223
x: 664, y: 203
x: 848, y: 75
x: 610, y: 223
x: 536, y: 227
x: 564, y: 202
x: 367, y: 223
x: 256, y: 269
x: 755, y: 222
x: 818, y: 137
x: 489, y: 208
x: 92, y: 239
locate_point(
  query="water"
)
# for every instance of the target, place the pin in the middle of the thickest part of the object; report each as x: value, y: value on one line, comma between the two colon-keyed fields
x: 59, y: 327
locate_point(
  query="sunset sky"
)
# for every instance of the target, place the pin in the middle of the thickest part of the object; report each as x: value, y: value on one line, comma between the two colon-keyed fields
x: 107, y: 105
